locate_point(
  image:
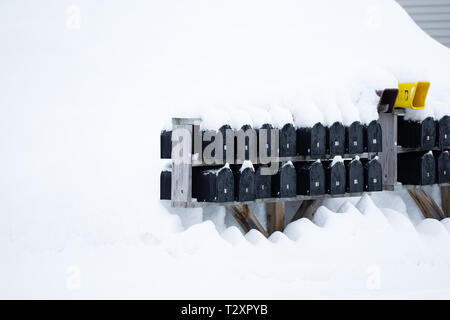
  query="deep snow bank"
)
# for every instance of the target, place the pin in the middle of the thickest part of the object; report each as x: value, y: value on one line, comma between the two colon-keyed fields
x: 357, y: 251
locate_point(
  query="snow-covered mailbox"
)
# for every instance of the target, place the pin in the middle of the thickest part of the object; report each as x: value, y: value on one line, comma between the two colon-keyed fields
x: 373, y: 175
x: 335, y: 177
x: 415, y: 134
x: 373, y: 137
x: 284, y: 182
x: 355, y: 176
x: 443, y: 132
x: 310, y: 178
x: 263, y: 184
x: 442, y: 166
x: 288, y: 138
x: 244, y: 182
x: 354, y: 138
x: 416, y: 168
x: 336, y: 139
x: 311, y: 141
x: 215, y: 185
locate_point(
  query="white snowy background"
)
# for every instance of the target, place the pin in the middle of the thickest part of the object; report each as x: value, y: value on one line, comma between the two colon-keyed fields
x: 86, y: 87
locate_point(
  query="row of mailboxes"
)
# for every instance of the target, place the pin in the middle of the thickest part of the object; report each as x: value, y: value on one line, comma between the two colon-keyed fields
x: 240, y: 184
x: 419, y: 168
x: 313, y: 141
x: 425, y: 134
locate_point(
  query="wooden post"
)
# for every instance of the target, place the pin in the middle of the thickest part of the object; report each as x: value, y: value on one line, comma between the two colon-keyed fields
x: 445, y: 194
x: 307, y: 209
x: 388, y: 156
x: 182, y: 136
x: 275, y: 217
x: 247, y: 219
x: 426, y: 204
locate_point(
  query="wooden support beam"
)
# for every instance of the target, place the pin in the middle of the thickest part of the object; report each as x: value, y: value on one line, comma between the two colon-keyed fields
x: 307, y: 209
x: 181, y: 193
x: 445, y: 194
x: 275, y: 217
x: 388, y: 157
x: 246, y: 219
x: 426, y: 204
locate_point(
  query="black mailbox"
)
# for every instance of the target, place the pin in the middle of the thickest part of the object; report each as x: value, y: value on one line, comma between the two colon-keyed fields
x: 442, y: 166
x: 311, y: 141
x: 336, y: 139
x: 288, y: 138
x: 373, y: 137
x: 354, y: 138
x: 310, y: 178
x: 165, y: 188
x: 373, y: 175
x: 244, y: 183
x: 443, y: 132
x: 166, y: 144
x: 263, y: 184
x: 355, y: 176
x: 416, y: 168
x: 335, y: 177
x: 284, y: 182
x: 412, y: 134
x: 214, y: 185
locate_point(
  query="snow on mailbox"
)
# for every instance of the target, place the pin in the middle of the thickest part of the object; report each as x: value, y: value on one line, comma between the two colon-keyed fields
x: 216, y: 185
x: 311, y: 141
x: 336, y: 139
x: 414, y: 134
x: 354, y: 138
x: 416, y: 168
x: 335, y: 177
x: 355, y: 175
x: 244, y: 182
x: 310, y: 178
x: 284, y: 182
x: 372, y: 137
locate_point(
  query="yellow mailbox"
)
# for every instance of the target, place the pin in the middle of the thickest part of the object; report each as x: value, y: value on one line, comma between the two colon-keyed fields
x: 412, y: 95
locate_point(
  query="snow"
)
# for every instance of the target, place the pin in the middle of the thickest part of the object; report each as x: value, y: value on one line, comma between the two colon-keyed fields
x: 260, y: 116
x: 288, y: 163
x: 167, y: 167
x: 81, y: 111
x: 280, y: 117
x: 308, y: 115
x: 239, y: 118
x: 245, y: 165
x: 337, y: 159
x: 214, y: 118
x: 217, y: 171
